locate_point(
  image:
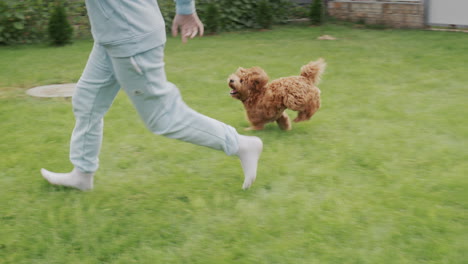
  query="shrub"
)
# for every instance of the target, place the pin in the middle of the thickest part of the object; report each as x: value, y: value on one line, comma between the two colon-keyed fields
x: 316, y: 13
x: 264, y: 14
x: 20, y: 22
x: 167, y: 8
x: 298, y: 12
x: 212, y: 18
x: 60, y: 30
x: 26, y: 21
x: 281, y: 10
x: 241, y: 14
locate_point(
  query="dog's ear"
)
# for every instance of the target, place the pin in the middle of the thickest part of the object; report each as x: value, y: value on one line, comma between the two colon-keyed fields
x: 258, y: 78
x: 240, y: 70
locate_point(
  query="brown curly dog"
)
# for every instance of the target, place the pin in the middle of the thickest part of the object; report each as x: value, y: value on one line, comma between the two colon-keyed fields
x: 266, y: 102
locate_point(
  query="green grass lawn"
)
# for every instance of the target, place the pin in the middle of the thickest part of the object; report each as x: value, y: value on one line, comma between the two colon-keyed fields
x: 378, y: 175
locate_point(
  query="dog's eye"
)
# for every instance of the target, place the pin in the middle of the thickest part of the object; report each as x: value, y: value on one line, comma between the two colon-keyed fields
x: 241, y: 81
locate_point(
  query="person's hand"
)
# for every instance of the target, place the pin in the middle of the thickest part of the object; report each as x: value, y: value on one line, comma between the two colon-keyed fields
x: 190, y: 26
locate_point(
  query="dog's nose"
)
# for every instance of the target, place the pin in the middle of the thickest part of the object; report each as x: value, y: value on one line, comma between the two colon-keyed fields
x: 231, y: 81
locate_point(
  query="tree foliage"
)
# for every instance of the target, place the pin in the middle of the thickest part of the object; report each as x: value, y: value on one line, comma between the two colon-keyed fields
x: 316, y: 12
x: 212, y: 19
x: 264, y: 14
x: 60, y: 30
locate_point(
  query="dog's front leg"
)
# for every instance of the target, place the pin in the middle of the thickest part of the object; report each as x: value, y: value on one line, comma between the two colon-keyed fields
x: 284, y: 122
x: 254, y: 127
x: 256, y: 122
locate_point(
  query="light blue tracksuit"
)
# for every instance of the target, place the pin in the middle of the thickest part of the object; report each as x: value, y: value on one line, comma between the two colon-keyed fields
x: 128, y: 52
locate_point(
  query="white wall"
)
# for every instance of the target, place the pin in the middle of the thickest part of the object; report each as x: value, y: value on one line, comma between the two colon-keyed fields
x: 447, y: 12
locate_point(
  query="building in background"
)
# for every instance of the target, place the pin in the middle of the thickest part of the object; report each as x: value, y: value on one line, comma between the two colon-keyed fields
x: 402, y: 13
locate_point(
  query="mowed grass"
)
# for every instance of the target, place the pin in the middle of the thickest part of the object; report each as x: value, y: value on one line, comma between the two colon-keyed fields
x: 378, y: 175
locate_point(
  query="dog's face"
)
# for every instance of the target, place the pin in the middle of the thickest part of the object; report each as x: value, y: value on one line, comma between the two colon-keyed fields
x: 245, y: 82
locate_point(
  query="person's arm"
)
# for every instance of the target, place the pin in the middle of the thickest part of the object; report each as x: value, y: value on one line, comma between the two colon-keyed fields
x: 185, y: 7
x: 187, y: 20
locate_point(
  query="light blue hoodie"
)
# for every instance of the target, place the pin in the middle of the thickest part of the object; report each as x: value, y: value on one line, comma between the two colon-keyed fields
x: 129, y: 27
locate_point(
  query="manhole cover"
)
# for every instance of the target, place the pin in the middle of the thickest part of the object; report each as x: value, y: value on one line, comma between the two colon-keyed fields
x: 55, y: 90
x: 326, y: 37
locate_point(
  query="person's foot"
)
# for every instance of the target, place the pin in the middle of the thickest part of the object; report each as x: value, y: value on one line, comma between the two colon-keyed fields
x: 75, y: 179
x: 250, y: 149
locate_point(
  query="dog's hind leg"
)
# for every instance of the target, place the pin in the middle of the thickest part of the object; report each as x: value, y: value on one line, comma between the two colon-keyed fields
x: 308, y: 111
x: 283, y: 121
x: 302, y: 116
x: 306, y: 114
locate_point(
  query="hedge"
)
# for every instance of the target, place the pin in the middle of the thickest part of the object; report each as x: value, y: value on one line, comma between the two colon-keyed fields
x: 25, y: 21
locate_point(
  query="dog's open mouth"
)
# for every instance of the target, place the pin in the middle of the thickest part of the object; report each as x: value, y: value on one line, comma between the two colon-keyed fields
x: 233, y: 92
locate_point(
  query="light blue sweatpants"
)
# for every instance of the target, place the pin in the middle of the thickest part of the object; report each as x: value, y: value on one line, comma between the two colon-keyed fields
x: 157, y: 101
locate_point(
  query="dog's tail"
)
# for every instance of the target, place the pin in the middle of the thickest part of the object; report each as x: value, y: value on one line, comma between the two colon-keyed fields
x: 313, y: 70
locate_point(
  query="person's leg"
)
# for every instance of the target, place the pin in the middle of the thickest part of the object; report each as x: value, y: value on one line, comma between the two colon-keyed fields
x: 162, y: 109
x: 94, y: 94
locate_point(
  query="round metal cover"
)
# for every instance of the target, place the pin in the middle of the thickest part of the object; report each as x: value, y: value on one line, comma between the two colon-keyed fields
x: 55, y: 90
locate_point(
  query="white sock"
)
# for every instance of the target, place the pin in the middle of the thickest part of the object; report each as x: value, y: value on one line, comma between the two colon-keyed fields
x: 249, y: 152
x: 75, y: 179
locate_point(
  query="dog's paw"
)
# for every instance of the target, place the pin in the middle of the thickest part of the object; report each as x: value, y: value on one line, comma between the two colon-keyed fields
x: 253, y: 128
x: 286, y: 126
x: 300, y: 119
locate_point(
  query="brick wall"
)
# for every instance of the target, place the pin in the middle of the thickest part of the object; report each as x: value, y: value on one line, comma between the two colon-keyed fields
x: 393, y: 14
